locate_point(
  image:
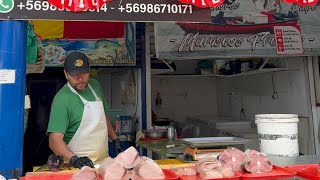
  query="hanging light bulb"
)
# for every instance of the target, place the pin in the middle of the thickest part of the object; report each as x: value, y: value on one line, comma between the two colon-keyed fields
x: 78, y: 5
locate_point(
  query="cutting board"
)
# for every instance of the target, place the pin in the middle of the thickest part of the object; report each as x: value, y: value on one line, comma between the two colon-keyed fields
x: 172, y: 163
x: 163, y: 163
x: 45, y: 171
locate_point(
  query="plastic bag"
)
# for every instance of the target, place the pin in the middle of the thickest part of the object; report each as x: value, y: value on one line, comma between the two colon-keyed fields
x: 128, y: 87
x: 39, y: 65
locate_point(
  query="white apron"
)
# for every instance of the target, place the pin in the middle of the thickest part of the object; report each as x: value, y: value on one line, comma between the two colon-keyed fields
x: 91, y: 138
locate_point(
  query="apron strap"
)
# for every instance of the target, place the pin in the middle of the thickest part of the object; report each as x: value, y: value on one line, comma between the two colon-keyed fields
x: 94, y: 93
x: 84, y: 101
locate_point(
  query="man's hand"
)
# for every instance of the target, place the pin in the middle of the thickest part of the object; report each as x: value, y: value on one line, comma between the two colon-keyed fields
x: 117, y: 146
x: 79, y: 162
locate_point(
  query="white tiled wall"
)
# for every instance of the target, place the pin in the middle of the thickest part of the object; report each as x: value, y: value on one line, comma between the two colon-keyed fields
x: 184, y: 96
x: 111, y: 84
x: 104, y: 79
x: 254, y: 93
x: 118, y: 83
x: 224, y: 97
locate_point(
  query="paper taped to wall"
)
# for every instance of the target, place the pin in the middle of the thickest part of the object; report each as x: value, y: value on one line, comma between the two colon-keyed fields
x: 7, y: 76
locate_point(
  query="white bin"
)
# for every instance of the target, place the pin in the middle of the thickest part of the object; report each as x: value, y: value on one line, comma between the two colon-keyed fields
x: 278, y: 134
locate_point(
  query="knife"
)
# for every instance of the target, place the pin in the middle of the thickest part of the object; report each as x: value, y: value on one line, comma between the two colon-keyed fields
x: 41, y: 168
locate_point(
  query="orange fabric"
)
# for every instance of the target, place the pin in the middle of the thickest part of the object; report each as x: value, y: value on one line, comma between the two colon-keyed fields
x: 48, y: 29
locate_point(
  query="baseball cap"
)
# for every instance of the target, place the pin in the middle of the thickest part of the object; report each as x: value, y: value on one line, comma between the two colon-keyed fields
x: 76, y: 63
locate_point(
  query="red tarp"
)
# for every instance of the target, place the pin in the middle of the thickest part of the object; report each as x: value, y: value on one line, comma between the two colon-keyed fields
x: 93, y: 30
x: 78, y: 29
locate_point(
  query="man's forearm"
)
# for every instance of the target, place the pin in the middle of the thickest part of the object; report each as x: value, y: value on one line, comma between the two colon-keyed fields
x: 59, y: 147
x: 111, y: 133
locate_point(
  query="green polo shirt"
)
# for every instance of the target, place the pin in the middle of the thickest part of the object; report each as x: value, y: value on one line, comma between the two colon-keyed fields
x: 67, y: 109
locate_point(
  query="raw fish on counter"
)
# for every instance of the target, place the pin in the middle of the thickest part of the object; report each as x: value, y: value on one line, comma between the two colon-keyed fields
x: 129, y: 159
x: 232, y: 157
x: 207, y: 168
x: 148, y: 169
x: 185, y: 171
x: 256, y: 162
x: 85, y: 173
x: 210, y: 174
x: 210, y: 167
x: 207, y: 163
x: 127, y: 165
x: 250, y: 161
x: 226, y: 171
x: 111, y: 169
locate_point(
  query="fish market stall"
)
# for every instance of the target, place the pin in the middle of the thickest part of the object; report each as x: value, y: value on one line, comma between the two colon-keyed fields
x: 299, y: 168
x: 233, y: 34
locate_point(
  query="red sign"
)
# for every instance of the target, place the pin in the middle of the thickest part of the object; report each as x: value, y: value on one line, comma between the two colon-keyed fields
x: 216, y: 3
x: 204, y: 3
x: 302, y: 2
x: 78, y: 5
x: 279, y: 40
x: 288, y: 39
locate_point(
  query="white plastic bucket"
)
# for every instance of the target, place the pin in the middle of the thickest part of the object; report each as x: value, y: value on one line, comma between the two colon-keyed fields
x: 278, y: 134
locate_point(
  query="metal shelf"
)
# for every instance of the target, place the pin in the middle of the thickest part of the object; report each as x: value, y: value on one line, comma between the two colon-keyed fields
x: 253, y: 72
x: 260, y: 70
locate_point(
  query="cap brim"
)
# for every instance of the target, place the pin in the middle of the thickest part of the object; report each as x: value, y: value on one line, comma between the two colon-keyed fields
x: 79, y: 71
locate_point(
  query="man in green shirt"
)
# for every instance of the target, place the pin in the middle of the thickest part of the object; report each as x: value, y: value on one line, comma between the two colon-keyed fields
x: 78, y: 127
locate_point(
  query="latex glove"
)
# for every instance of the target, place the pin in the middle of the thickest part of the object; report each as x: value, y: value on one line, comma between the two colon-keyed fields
x: 79, y: 162
x: 117, y: 146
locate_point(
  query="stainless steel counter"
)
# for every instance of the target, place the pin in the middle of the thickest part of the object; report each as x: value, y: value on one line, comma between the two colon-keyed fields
x: 285, y: 161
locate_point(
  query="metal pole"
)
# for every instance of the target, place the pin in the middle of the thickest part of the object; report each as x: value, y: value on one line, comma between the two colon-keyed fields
x: 12, y: 91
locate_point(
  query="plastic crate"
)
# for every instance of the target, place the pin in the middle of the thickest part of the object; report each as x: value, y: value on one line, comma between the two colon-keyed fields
x: 309, y: 171
x: 169, y: 175
x: 276, y: 173
x: 197, y: 177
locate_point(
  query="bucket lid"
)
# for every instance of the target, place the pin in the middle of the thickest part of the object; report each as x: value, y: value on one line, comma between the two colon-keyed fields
x: 285, y: 118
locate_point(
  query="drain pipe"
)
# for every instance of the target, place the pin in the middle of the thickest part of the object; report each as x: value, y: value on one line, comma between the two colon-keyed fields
x: 13, y: 45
